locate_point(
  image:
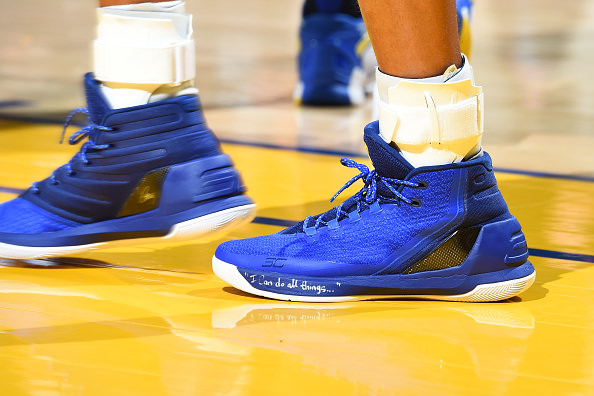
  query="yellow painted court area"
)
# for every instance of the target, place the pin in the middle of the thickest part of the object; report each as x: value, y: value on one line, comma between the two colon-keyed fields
x: 153, y: 320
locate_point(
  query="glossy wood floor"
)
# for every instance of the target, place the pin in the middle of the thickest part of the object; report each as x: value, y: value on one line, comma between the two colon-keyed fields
x: 154, y: 320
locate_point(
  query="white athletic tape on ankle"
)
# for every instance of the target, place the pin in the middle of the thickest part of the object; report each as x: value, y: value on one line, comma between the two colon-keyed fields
x: 432, y: 123
x: 144, y: 47
x: 431, y: 120
x: 423, y: 118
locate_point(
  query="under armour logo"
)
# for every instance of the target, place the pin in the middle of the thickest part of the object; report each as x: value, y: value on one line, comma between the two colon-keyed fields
x: 146, y: 195
x: 276, y: 262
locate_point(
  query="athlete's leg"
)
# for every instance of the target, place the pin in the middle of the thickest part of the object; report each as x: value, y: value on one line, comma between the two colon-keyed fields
x: 413, y: 39
x: 429, y: 221
x: 429, y: 106
x: 144, y: 51
x: 337, y: 66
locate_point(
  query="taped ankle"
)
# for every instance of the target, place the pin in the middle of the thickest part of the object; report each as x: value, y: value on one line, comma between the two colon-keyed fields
x: 144, y: 44
x: 432, y: 121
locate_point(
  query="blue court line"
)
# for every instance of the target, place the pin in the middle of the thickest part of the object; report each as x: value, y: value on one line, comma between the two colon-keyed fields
x: 33, y: 120
x: 273, y: 222
x: 310, y: 150
x: 9, y: 190
x: 15, y: 103
x: 299, y: 149
x: 359, y: 155
x: 587, y: 258
x: 545, y: 174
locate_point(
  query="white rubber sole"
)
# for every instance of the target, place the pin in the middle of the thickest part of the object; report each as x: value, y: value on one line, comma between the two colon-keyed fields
x: 199, y: 227
x: 482, y: 293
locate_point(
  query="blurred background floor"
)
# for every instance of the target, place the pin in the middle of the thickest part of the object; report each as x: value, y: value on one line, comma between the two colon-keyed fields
x: 154, y: 320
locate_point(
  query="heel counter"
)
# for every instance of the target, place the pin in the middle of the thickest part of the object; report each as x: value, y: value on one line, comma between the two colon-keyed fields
x: 500, y: 245
x: 218, y: 182
x: 518, y: 254
x: 195, y: 182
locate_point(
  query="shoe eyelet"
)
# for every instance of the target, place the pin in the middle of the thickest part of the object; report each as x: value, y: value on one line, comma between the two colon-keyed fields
x: 375, y: 207
x: 333, y: 224
x: 310, y: 231
x: 415, y: 202
x: 354, y: 216
x: 422, y: 185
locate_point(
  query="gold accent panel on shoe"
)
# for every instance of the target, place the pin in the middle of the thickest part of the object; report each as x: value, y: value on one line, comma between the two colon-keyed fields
x: 147, y: 194
x: 449, y: 254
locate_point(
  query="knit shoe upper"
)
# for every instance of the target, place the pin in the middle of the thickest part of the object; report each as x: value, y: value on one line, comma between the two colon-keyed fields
x: 142, y: 171
x: 437, y: 231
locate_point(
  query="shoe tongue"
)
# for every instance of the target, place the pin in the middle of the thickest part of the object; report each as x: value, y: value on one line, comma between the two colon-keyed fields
x: 96, y: 103
x: 387, y: 161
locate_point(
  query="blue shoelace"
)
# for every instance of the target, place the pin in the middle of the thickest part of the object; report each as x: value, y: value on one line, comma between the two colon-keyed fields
x: 89, y: 131
x: 366, y: 197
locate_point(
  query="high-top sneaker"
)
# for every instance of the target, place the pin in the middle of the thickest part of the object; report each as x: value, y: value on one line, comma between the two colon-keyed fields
x: 336, y: 62
x: 436, y: 232
x: 150, y: 171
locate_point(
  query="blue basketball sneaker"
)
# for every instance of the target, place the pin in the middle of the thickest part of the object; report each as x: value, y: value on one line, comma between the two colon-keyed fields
x: 436, y: 232
x: 146, y: 173
x: 336, y: 62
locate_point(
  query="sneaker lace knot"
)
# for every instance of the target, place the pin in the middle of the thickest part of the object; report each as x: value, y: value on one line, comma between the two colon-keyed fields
x: 89, y: 131
x: 368, y: 197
